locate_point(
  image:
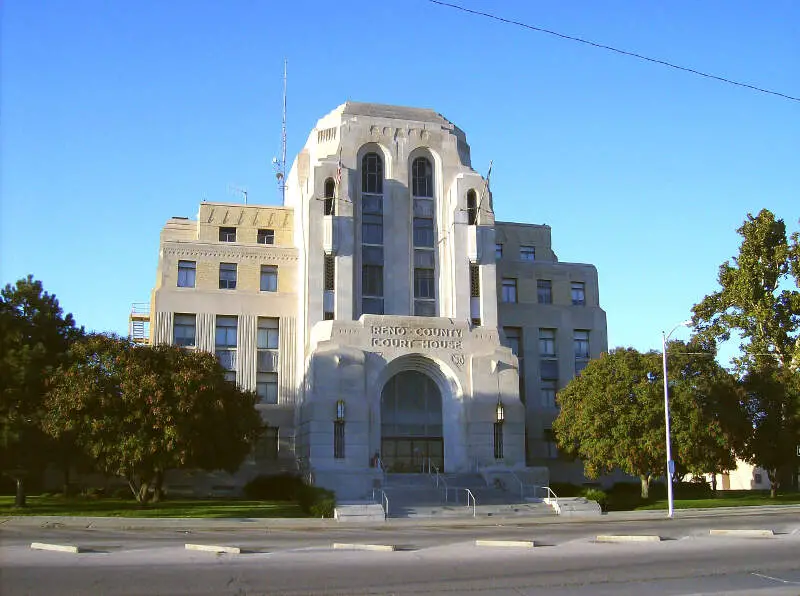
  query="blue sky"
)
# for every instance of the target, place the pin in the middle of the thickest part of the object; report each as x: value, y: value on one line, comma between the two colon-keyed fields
x: 115, y: 116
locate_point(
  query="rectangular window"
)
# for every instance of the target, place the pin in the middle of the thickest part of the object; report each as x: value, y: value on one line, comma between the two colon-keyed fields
x: 227, y: 276
x: 509, y: 289
x: 266, y: 236
x: 498, y: 251
x: 187, y: 271
x: 338, y: 439
x: 372, y: 280
x: 513, y: 340
x: 424, y: 284
x: 578, y: 293
x: 548, y: 393
x: 424, y: 308
x: 527, y: 253
x: 544, y: 291
x: 267, y: 335
x: 267, y: 387
x: 227, y: 234
x: 498, y: 440
x: 267, y: 445
x: 550, y: 445
x: 423, y: 232
x: 225, y: 344
x: 547, y: 342
x: 548, y: 369
x: 269, y: 278
x: 581, y: 341
x: 183, y: 330
x: 372, y: 306
x: 371, y: 229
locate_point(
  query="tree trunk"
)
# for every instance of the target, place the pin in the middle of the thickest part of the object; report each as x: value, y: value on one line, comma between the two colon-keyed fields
x: 19, y: 499
x: 144, y: 492
x: 645, y: 486
x: 65, y: 480
x: 774, y: 483
x: 714, y: 483
x: 158, y: 481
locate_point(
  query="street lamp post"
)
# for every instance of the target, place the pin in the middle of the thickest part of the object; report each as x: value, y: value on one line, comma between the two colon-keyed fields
x: 670, y: 463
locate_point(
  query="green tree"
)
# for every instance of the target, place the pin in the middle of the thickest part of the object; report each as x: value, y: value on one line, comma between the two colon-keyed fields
x: 710, y: 424
x: 140, y: 411
x: 612, y: 414
x: 757, y: 302
x: 35, y: 335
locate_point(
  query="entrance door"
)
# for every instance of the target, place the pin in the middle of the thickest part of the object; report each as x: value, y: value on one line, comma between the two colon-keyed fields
x: 411, y: 423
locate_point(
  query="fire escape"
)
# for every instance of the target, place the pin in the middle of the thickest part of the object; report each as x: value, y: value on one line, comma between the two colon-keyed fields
x: 139, y: 323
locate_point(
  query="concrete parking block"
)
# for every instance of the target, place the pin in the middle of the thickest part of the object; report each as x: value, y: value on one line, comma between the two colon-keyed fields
x: 373, y: 547
x: 744, y: 533
x: 61, y: 548
x: 505, y: 543
x: 212, y: 548
x: 630, y: 538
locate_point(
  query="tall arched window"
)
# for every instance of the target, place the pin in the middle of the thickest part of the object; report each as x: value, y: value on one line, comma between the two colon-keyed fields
x: 423, y: 238
x: 422, y: 177
x: 330, y: 193
x: 372, y: 174
x: 372, y: 234
x: 472, y: 208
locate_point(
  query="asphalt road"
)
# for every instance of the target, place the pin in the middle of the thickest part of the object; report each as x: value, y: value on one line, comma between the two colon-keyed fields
x: 433, y: 559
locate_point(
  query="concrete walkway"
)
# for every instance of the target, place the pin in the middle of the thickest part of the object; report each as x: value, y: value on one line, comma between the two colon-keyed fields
x: 172, y: 523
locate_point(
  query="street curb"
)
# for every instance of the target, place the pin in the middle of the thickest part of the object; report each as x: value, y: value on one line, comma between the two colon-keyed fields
x: 506, y: 543
x: 629, y: 538
x: 269, y: 524
x: 231, y: 550
x: 371, y: 547
x: 61, y: 548
x: 743, y: 533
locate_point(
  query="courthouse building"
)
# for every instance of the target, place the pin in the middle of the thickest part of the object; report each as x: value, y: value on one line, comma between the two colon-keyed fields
x: 382, y: 311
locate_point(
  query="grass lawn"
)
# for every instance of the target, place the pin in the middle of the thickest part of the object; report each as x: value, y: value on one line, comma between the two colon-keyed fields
x: 109, y: 507
x: 733, y: 498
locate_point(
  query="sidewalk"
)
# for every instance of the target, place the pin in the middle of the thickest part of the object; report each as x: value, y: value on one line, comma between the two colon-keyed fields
x: 230, y: 524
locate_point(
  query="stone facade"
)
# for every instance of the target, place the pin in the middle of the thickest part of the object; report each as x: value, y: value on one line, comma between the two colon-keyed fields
x: 405, y: 324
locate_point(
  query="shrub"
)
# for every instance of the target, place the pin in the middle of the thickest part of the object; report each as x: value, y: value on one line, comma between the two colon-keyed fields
x: 595, y: 494
x: 316, y: 501
x: 696, y: 489
x: 282, y: 487
x: 122, y: 493
x: 565, y: 489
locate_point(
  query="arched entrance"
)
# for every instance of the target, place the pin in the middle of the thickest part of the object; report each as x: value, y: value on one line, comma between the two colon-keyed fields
x: 411, y: 423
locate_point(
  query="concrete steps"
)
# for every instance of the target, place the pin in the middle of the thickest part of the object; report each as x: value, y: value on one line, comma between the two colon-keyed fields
x: 576, y: 507
x: 358, y: 511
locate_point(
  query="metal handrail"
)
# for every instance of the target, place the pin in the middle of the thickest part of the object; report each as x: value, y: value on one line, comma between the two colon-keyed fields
x: 550, y: 492
x: 521, y: 485
x: 384, y: 501
x: 474, y: 502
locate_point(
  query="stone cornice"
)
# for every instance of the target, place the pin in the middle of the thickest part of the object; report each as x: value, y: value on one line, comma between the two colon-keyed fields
x: 236, y: 252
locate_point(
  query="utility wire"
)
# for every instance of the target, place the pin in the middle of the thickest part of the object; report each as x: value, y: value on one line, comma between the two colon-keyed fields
x: 617, y: 50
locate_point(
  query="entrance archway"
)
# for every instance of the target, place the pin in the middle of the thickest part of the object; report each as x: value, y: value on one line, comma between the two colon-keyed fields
x: 411, y: 423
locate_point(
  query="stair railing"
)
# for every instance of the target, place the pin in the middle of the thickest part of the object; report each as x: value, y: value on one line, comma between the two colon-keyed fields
x: 384, y: 501
x: 551, y: 496
x: 474, y: 502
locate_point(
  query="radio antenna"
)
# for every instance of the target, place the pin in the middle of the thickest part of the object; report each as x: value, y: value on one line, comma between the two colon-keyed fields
x: 280, y: 165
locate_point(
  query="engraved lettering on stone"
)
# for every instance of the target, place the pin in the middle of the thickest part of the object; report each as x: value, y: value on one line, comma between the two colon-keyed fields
x: 458, y: 360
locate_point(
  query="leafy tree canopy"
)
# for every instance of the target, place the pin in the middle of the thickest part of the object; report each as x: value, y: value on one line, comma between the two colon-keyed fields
x: 759, y: 300
x: 612, y: 414
x: 35, y: 335
x: 140, y: 411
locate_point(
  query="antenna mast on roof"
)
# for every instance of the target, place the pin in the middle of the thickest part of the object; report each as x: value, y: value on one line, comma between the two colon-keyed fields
x: 280, y: 165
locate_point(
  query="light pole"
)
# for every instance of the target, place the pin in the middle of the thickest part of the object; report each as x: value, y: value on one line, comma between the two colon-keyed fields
x: 670, y: 463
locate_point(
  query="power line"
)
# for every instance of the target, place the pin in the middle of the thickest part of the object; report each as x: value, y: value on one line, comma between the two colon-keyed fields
x: 612, y: 49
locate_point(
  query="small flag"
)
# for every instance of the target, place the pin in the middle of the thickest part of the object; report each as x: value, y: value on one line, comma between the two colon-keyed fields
x: 339, y: 169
